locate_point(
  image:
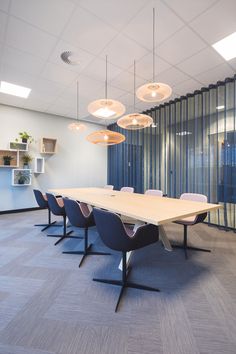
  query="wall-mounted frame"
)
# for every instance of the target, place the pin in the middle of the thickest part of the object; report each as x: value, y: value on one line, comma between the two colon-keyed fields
x: 21, y: 177
x: 39, y: 165
x: 48, y: 146
x: 13, y: 158
x: 18, y: 146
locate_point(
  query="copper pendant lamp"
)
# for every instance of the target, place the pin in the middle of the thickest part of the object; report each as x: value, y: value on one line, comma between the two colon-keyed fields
x: 154, y: 91
x: 105, y: 137
x: 106, y: 108
x: 77, y: 126
x: 135, y: 121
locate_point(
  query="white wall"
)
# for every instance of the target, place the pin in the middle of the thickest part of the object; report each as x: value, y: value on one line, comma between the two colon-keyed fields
x: 78, y: 163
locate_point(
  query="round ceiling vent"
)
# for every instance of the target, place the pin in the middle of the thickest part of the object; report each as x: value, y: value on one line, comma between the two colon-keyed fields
x: 70, y: 58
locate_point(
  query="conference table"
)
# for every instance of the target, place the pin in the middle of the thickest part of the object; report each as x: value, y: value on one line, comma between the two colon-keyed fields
x: 143, y: 208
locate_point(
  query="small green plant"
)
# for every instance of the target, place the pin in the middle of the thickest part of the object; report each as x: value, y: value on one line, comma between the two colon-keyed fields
x: 25, y: 138
x: 7, y: 160
x: 22, y: 177
x: 26, y: 158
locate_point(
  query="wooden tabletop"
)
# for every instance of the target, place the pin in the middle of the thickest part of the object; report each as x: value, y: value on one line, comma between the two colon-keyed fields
x: 152, y: 209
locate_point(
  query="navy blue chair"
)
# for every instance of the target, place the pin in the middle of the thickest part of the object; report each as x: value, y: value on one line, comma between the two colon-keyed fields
x: 80, y: 216
x: 119, y: 237
x: 42, y: 201
x: 56, y: 205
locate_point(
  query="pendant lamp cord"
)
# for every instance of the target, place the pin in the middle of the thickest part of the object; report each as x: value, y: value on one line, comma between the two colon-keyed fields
x: 106, y: 80
x: 153, y: 45
x: 134, y: 82
x: 77, y: 101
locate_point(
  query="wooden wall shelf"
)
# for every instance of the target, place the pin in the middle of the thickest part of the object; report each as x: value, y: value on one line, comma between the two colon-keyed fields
x: 39, y: 165
x: 15, y: 158
x: 48, y: 146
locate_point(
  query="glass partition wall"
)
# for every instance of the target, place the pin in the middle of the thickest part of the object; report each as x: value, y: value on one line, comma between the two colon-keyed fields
x: 190, y: 148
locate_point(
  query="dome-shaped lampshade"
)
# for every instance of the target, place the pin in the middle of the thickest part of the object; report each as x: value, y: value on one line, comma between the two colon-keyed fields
x: 154, y: 92
x: 77, y: 127
x: 105, y: 137
x: 106, y: 108
x: 135, y: 121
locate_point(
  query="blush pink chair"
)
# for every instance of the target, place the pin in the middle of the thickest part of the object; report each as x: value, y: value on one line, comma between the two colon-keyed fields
x: 109, y: 186
x: 190, y: 221
x: 127, y: 189
x: 155, y: 192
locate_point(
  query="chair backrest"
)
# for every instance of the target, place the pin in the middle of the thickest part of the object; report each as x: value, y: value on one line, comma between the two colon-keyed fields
x: 76, y: 213
x: 194, y: 197
x: 155, y: 192
x: 111, y: 229
x: 55, y: 208
x: 127, y: 189
x: 109, y: 186
x: 41, y: 200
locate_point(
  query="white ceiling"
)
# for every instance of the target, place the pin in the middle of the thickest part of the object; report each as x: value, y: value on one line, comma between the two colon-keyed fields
x: 33, y: 33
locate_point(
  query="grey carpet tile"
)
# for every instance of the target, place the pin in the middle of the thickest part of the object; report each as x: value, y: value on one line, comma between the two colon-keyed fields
x: 50, y: 306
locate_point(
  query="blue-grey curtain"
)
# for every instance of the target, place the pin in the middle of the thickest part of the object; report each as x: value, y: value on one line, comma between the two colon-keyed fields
x: 191, y: 148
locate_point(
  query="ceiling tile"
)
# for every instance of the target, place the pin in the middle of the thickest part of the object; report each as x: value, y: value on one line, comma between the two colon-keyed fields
x: 84, y: 57
x: 58, y: 74
x: 144, y: 66
x: 187, y: 10
x: 232, y: 63
x: 97, y: 70
x: 3, y: 23
x: 172, y: 76
x: 39, y: 13
x: 123, y: 13
x: 187, y: 87
x: 17, y: 77
x: 218, y: 73
x: 22, y: 61
x: 140, y: 28
x: 217, y: 22
x: 27, y: 38
x: 125, y: 81
x: 4, y: 5
x: 117, y: 49
x: 46, y: 90
x: 202, y: 61
x: 86, y: 31
x: 177, y: 48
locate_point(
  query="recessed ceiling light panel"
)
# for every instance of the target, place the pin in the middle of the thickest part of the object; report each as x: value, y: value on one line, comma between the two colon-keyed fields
x: 70, y: 58
x: 226, y: 47
x: 15, y: 90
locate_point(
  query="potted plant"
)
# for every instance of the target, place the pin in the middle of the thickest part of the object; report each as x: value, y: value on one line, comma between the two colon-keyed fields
x: 25, y: 138
x: 26, y: 158
x: 7, y: 160
x: 22, y: 177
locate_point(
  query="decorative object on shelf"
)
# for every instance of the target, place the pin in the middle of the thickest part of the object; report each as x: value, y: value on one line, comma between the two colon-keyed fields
x: 135, y: 121
x: 106, y: 108
x: 21, y: 177
x: 39, y: 165
x: 77, y: 126
x: 7, y: 160
x: 14, y: 158
x: 18, y: 146
x: 26, y: 158
x: 25, y: 138
x: 48, y: 146
x: 105, y: 137
x: 154, y: 91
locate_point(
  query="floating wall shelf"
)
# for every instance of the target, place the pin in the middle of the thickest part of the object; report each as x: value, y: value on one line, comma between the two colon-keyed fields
x: 39, y: 165
x: 14, y: 154
x: 48, y: 146
x: 21, y: 177
x: 18, y: 146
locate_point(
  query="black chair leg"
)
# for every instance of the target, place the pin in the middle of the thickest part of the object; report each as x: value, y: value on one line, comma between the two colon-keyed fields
x: 87, y: 249
x: 49, y: 224
x: 185, y: 246
x: 124, y: 283
x: 65, y: 234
